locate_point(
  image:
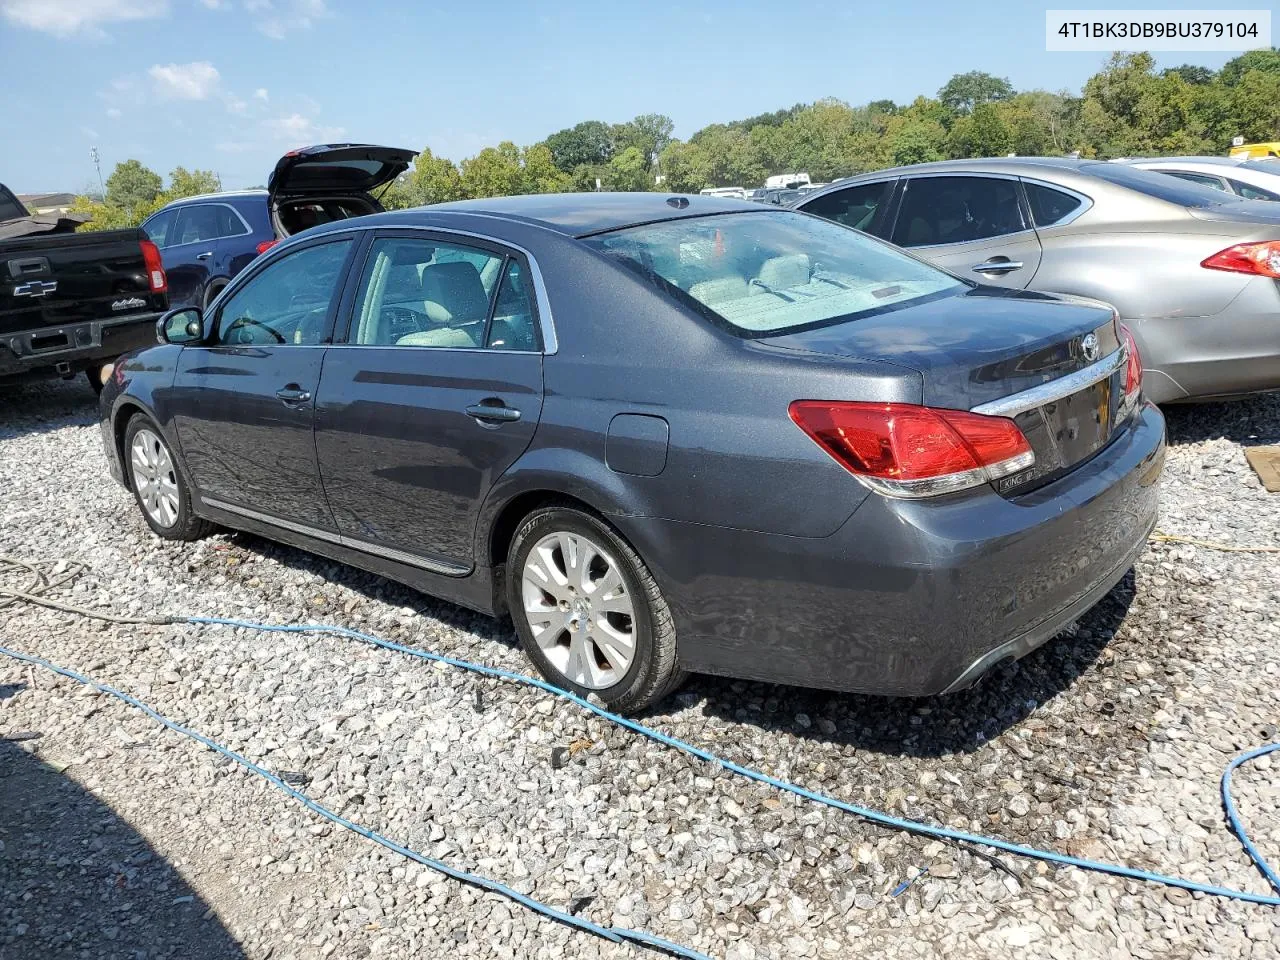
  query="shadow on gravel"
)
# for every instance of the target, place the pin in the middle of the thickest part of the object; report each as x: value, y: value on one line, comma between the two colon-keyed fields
x: 1250, y: 422
x: 46, y: 405
x: 957, y: 723
x: 78, y: 881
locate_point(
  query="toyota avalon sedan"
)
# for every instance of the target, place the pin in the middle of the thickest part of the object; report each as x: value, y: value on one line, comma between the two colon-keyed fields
x: 665, y: 434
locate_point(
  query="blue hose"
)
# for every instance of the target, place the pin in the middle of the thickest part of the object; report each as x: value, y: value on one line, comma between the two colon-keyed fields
x: 639, y: 938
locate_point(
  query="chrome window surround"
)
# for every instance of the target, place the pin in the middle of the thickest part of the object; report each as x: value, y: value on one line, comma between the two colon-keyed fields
x: 364, y: 546
x: 546, y: 323
x: 1086, y: 202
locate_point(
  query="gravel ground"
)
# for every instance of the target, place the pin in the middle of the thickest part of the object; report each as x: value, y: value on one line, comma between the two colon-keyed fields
x: 141, y: 844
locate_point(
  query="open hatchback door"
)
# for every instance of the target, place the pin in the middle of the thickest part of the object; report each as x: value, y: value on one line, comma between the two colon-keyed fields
x: 332, y: 181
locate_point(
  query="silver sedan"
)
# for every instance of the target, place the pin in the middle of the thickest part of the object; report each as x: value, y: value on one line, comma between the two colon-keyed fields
x: 1191, y: 270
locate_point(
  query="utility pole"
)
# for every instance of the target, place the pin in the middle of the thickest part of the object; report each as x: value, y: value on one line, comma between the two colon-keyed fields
x: 97, y: 162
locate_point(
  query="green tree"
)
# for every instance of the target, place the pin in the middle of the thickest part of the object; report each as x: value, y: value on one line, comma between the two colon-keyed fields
x: 1254, y: 107
x: 649, y: 133
x: 540, y: 173
x: 131, y: 185
x: 493, y: 172
x: 629, y: 170
x: 964, y: 91
x: 588, y: 142
x: 191, y: 183
x: 434, y: 179
x: 916, y: 141
x: 1234, y: 70
x: 983, y: 133
x: 1192, y: 73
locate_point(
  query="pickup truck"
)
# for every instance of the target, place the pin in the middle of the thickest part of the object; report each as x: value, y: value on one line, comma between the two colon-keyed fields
x: 72, y: 302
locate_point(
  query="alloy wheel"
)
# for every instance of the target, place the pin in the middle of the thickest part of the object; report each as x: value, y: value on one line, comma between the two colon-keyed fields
x: 154, y: 477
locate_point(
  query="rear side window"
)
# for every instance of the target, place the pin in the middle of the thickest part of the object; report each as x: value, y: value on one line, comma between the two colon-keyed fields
x: 940, y: 210
x: 1050, y: 206
x: 860, y: 207
x: 1251, y: 192
x: 772, y: 272
x: 1157, y: 185
x: 229, y: 224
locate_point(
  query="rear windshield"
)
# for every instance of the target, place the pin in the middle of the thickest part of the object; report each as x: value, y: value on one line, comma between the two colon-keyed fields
x: 1160, y: 186
x: 770, y: 272
x: 1266, y: 165
x: 10, y: 208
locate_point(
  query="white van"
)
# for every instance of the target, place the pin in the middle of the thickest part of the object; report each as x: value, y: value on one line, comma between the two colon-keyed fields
x: 786, y: 181
x: 736, y: 193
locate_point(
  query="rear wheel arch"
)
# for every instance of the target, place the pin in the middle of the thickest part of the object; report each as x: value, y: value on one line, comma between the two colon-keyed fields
x: 513, y: 513
x: 214, y: 287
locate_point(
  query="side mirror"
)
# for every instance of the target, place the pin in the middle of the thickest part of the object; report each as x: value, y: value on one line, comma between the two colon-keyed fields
x: 181, y: 325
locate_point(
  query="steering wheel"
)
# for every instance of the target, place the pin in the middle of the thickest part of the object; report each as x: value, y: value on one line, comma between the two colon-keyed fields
x: 250, y: 322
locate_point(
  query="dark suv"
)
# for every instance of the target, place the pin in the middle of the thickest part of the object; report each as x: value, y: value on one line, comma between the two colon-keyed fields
x: 207, y: 240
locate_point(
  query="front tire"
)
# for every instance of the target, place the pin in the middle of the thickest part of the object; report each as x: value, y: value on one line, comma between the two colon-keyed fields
x: 588, y: 612
x: 158, y: 484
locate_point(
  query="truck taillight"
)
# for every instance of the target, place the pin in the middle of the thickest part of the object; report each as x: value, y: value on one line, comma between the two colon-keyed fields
x: 1262, y: 259
x: 155, y: 267
x: 905, y: 450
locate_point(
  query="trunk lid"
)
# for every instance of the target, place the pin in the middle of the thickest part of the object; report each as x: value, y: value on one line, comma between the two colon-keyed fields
x: 978, y: 350
x: 336, y: 168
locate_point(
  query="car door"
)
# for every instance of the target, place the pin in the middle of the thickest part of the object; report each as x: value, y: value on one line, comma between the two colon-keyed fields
x: 435, y: 392
x: 243, y: 403
x: 973, y: 225
x: 188, y: 256
x: 862, y: 206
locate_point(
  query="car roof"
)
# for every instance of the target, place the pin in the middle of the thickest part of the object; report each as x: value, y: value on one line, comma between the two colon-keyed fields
x: 582, y: 214
x: 223, y: 195
x: 1205, y: 161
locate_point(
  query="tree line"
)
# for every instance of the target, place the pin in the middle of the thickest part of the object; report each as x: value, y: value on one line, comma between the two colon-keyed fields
x: 1128, y: 108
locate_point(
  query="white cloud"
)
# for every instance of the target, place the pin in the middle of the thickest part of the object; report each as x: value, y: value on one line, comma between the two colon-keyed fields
x: 233, y: 146
x: 277, y: 20
x: 260, y: 94
x: 214, y: 4
x: 185, y: 81
x: 114, y: 113
x: 65, y: 17
x: 89, y: 132
x: 236, y: 105
x: 298, y: 130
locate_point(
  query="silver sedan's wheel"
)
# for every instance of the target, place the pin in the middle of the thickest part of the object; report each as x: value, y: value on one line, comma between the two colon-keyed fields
x: 578, y: 609
x: 155, y: 477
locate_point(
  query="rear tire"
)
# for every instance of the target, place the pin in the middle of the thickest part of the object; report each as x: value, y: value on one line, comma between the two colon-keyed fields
x: 212, y: 293
x: 588, y: 612
x: 159, y: 487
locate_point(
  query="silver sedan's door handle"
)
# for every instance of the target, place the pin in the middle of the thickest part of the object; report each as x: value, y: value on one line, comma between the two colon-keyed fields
x: 204, y: 256
x: 997, y: 265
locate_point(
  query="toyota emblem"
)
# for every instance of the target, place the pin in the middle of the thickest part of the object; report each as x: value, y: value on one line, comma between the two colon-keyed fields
x: 1089, y: 345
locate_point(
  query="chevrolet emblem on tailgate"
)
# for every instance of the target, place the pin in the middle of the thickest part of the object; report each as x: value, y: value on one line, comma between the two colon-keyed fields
x: 35, y: 288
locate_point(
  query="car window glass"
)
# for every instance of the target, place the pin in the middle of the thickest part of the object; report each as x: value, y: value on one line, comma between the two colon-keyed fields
x: 855, y: 207
x: 1201, y: 178
x: 1251, y: 192
x: 157, y: 228
x: 10, y: 208
x: 423, y: 293
x: 287, y: 302
x: 229, y: 224
x: 197, y: 223
x: 512, y: 327
x: 1049, y: 206
x: 937, y: 210
x: 1157, y: 185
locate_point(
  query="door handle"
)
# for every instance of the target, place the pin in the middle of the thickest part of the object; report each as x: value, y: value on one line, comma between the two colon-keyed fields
x: 493, y: 411
x: 998, y: 266
x: 293, y: 394
x: 204, y: 256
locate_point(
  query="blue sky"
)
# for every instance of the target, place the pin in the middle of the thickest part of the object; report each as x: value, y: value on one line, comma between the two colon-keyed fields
x: 229, y: 85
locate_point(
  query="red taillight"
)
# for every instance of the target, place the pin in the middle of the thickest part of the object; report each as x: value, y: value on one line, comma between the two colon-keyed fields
x: 1133, y: 364
x: 1262, y: 259
x: 906, y: 450
x: 266, y: 245
x: 155, y: 266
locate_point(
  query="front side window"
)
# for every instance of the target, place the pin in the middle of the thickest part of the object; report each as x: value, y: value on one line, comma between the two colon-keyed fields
x: 939, y: 210
x: 1050, y: 206
x: 427, y: 293
x: 157, y: 228
x: 860, y: 207
x: 1213, y: 183
x: 287, y: 302
x: 773, y: 271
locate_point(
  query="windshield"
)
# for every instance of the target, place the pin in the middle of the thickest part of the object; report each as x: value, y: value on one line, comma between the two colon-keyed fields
x: 1160, y: 186
x: 769, y: 272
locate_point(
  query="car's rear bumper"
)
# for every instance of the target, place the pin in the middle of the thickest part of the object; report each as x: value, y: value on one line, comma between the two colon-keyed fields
x: 1234, y: 352
x: 54, y: 351
x: 909, y: 597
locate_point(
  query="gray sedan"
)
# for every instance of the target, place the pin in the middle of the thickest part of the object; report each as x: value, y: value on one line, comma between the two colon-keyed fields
x: 1191, y: 270
x: 663, y: 433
